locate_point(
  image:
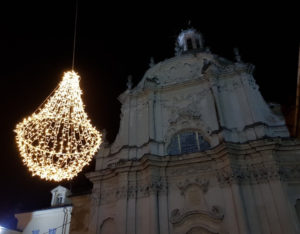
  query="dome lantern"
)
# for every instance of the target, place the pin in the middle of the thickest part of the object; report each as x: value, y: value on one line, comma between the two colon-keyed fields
x: 189, y: 40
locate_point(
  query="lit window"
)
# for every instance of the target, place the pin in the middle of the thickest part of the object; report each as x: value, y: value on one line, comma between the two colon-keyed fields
x: 35, y: 231
x: 52, y: 231
x: 186, y: 143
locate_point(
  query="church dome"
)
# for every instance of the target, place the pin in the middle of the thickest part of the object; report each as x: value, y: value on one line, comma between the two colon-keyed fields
x: 180, y: 69
x: 190, y: 63
x: 175, y: 70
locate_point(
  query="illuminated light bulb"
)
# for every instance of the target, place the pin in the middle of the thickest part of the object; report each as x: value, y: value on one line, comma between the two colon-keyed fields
x: 58, y: 140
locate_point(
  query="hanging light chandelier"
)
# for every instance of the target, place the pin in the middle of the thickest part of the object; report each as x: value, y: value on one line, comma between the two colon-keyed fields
x: 58, y: 140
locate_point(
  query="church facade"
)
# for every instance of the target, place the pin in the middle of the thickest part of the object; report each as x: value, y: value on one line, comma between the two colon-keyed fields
x: 198, y: 151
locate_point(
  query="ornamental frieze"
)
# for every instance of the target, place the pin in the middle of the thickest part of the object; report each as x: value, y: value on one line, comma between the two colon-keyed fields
x: 109, y: 195
x: 202, y: 183
x: 257, y: 174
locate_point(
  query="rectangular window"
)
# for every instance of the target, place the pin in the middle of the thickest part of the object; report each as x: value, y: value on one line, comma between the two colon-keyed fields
x: 35, y: 231
x: 52, y: 231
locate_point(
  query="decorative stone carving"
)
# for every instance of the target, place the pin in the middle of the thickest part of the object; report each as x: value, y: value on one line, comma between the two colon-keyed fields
x: 193, y: 221
x: 190, y: 170
x: 218, y: 211
x: 105, y: 142
x: 185, y: 107
x: 124, y: 192
x: 206, y: 64
x: 207, y: 50
x: 151, y: 82
x: 237, y: 55
x: 176, y: 70
x: 129, y: 82
x: 178, y: 216
x: 152, y: 63
x: 289, y: 173
x: 202, y: 184
x: 257, y: 174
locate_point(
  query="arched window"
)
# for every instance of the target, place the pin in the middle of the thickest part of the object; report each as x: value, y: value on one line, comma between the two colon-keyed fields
x: 186, y: 143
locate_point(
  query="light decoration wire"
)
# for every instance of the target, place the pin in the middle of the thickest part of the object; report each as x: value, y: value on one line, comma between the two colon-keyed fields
x: 58, y: 140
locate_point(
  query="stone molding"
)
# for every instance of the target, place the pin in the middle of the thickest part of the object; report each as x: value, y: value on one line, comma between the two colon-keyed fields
x: 229, y: 163
x: 128, y: 192
x: 216, y: 214
x: 207, y: 221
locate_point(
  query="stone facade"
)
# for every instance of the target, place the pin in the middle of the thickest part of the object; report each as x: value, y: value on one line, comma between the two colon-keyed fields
x: 198, y: 151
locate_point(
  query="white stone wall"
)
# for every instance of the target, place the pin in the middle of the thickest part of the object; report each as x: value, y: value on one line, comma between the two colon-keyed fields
x: 43, y: 220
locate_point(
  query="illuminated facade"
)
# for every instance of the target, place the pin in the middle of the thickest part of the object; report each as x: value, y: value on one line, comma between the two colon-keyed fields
x: 198, y: 151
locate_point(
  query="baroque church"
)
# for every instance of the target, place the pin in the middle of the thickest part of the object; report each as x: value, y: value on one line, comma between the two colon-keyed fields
x: 198, y: 151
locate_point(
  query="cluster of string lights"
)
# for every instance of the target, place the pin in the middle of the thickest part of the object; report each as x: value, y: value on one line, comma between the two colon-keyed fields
x: 58, y: 140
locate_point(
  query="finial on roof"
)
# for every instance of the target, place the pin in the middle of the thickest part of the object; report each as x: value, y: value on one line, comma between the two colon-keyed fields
x: 129, y: 82
x: 104, y: 138
x: 152, y: 63
x: 207, y: 50
x: 237, y: 55
x: 206, y: 64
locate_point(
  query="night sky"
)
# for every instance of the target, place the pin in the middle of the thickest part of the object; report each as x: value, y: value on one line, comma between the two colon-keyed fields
x: 115, y: 41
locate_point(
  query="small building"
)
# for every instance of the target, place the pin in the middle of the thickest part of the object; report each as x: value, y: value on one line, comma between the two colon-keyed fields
x: 53, y: 220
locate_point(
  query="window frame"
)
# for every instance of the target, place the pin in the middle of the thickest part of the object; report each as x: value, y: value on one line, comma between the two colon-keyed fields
x: 176, y: 137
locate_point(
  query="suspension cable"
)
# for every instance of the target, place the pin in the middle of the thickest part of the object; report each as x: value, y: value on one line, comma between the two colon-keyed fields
x: 75, y: 34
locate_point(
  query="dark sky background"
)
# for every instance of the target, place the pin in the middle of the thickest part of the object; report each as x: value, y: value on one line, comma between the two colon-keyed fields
x: 114, y: 41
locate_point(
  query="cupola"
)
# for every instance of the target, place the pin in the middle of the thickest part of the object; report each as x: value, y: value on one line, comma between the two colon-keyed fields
x: 60, y: 196
x: 189, y: 40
